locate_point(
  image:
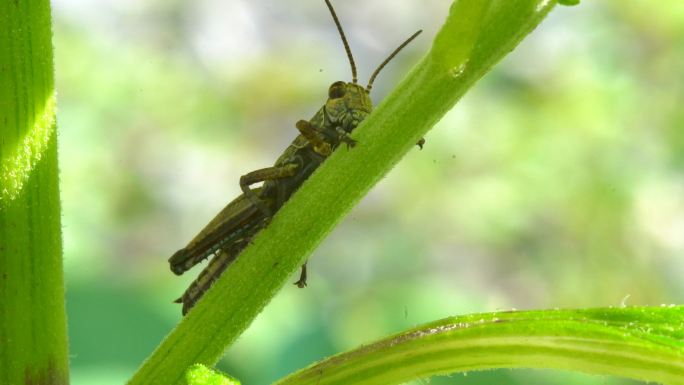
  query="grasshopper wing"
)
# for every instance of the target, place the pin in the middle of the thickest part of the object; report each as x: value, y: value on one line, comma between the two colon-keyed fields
x: 239, y: 220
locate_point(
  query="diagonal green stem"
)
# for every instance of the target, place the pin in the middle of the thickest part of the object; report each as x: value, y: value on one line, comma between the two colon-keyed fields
x: 640, y: 343
x: 476, y: 34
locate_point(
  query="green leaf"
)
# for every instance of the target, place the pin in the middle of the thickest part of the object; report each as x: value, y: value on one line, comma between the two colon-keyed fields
x: 33, y: 338
x: 201, y: 375
x: 475, y: 35
x: 643, y: 343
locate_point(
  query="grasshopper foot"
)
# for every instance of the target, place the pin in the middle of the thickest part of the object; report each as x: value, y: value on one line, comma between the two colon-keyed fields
x: 343, y: 137
x: 348, y: 141
x: 301, y: 283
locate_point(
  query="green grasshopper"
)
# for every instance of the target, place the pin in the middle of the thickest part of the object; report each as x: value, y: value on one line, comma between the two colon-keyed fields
x: 236, y: 225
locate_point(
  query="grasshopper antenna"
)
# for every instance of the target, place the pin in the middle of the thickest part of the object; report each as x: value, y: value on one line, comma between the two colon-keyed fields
x: 390, y: 57
x: 344, y: 41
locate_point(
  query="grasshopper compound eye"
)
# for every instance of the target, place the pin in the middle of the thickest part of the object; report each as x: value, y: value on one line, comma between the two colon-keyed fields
x: 337, y: 90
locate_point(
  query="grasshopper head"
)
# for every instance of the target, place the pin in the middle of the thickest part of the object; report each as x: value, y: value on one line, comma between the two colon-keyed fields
x: 348, y: 104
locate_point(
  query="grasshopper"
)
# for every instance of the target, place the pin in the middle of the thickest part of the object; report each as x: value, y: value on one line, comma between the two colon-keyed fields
x: 234, y: 227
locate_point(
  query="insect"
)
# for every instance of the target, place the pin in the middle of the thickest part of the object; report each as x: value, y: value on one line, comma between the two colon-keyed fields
x: 236, y: 225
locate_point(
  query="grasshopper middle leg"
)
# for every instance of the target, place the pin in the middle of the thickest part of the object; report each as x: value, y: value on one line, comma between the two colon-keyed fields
x: 301, y: 283
x: 261, y: 175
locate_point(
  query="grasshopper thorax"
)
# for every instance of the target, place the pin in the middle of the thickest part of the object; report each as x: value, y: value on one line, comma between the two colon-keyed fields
x: 347, y: 105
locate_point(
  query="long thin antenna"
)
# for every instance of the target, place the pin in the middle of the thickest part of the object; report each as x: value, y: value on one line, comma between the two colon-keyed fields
x: 392, y: 55
x: 344, y: 41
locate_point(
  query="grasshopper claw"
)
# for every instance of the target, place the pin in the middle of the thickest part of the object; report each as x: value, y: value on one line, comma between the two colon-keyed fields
x: 348, y: 141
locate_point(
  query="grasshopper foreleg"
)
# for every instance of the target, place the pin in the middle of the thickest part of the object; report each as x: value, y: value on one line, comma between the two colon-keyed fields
x: 343, y: 137
x: 264, y: 174
x: 315, y: 136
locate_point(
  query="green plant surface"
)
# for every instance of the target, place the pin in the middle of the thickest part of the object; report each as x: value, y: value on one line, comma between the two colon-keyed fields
x: 27, y: 94
x: 474, y: 37
x: 643, y: 343
x: 33, y: 339
x: 201, y: 375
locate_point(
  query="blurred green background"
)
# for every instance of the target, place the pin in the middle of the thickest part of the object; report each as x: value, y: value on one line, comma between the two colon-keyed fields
x: 556, y: 182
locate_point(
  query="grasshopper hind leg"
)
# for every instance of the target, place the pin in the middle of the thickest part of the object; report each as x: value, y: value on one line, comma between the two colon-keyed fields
x: 206, y: 279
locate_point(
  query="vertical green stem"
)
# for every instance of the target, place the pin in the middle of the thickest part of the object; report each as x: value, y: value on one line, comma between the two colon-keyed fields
x: 33, y: 338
